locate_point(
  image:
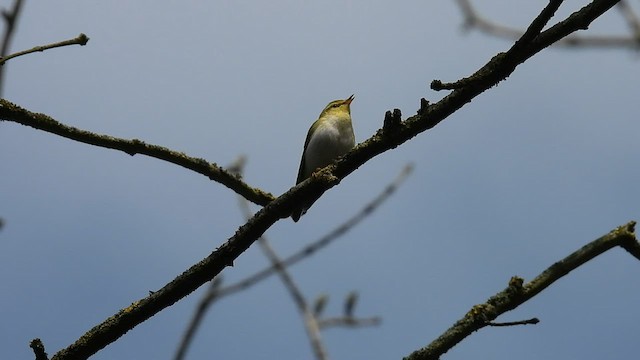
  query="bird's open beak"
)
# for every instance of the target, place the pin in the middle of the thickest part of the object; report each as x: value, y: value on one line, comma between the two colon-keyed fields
x: 350, y: 99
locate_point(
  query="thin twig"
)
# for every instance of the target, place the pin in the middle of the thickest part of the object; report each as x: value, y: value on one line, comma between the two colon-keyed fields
x: 516, y: 293
x: 532, y: 321
x: 81, y: 40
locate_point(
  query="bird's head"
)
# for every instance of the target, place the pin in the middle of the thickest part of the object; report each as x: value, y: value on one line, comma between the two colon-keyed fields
x: 338, y: 108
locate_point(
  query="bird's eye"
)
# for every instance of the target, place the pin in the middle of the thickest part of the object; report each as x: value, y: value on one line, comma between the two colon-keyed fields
x: 335, y: 105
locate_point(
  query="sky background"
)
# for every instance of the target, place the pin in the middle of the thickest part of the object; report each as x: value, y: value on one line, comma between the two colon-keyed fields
x: 525, y: 174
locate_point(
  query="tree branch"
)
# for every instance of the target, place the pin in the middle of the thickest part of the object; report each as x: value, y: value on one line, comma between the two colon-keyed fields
x: 349, y: 321
x: 498, y: 68
x: 327, y: 239
x: 12, y: 112
x: 310, y: 321
x: 531, y: 321
x: 205, y: 302
x: 633, y: 22
x: 216, y: 291
x: 10, y: 18
x: 472, y: 19
x: 81, y: 40
x: 516, y: 294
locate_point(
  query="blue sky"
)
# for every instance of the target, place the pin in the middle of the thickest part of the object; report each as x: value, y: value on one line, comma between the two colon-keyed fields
x: 525, y: 174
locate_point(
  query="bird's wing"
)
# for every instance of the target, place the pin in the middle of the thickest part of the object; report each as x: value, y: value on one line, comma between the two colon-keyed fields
x: 301, y: 174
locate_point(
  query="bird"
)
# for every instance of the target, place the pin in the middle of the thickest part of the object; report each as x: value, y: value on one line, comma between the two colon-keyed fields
x: 330, y: 137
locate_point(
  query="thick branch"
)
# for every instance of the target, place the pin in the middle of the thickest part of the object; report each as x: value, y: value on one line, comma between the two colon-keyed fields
x: 316, y: 245
x: 499, y: 68
x: 12, y: 112
x: 516, y: 294
x: 309, y: 319
x: 216, y: 291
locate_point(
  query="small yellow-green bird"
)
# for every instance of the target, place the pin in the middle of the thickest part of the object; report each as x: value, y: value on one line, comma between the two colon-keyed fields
x: 330, y: 137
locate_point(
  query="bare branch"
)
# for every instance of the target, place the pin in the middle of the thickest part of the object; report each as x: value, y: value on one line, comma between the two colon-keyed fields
x: 529, y: 44
x: 319, y: 304
x: 531, y: 321
x: 631, y: 18
x: 214, y: 292
x: 12, y: 112
x: 537, y: 25
x: 633, y: 248
x: 473, y: 20
x: 10, y: 18
x: 323, y: 241
x: 496, y: 70
x: 81, y: 40
x: 350, y: 322
x: 198, y: 316
x: 350, y: 304
x: 310, y: 320
x: 501, y: 60
x: 516, y: 293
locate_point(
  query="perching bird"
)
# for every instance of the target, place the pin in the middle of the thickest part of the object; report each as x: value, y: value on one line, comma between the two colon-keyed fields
x: 330, y: 137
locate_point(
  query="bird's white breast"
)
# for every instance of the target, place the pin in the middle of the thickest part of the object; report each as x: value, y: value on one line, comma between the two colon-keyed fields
x: 332, y: 139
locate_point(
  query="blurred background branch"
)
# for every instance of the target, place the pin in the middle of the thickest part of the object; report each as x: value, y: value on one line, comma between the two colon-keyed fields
x: 473, y: 20
x: 10, y: 17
